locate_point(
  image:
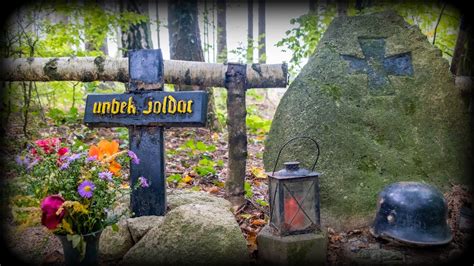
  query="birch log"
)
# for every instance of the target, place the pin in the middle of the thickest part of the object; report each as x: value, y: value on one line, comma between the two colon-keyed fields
x: 236, y: 108
x: 116, y: 69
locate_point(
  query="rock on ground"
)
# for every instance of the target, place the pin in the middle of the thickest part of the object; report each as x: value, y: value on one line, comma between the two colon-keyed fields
x: 192, y: 234
x: 178, y: 197
x: 376, y: 122
x: 113, y: 245
x: 139, y: 226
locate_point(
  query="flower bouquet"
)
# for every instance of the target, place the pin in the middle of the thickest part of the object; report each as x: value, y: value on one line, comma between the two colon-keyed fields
x: 78, y: 190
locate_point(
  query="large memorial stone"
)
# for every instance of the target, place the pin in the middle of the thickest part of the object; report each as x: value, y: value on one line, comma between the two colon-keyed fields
x: 381, y: 102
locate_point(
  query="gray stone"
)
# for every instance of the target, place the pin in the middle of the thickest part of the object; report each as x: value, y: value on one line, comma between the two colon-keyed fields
x: 179, y: 197
x: 113, y: 245
x: 304, y: 249
x: 381, y: 102
x: 121, y: 208
x: 139, y: 226
x: 192, y: 234
x: 374, y: 256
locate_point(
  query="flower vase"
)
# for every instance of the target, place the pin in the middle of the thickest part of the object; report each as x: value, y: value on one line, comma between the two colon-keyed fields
x: 72, y: 256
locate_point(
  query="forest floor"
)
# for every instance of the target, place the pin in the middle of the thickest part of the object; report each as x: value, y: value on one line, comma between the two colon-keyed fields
x: 189, y: 154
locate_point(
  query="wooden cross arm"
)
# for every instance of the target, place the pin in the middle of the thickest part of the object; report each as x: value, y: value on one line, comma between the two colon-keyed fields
x: 116, y: 69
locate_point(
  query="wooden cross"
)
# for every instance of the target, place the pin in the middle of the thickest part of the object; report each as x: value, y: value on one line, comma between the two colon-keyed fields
x: 237, y: 78
x: 145, y: 109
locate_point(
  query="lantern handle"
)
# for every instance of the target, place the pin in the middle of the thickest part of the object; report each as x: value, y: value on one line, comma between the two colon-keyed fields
x: 281, y: 149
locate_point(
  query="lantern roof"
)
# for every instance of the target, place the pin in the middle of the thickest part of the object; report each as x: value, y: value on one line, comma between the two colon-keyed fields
x: 292, y: 170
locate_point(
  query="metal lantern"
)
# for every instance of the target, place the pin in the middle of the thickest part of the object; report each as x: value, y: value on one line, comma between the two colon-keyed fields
x: 294, y: 197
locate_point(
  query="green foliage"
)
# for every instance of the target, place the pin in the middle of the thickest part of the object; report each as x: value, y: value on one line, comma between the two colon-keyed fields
x: 248, y: 190
x: 258, y: 125
x: 262, y: 202
x: 206, y: 167
x: 60, y: 117
x: 174, y: 178
x: 58, y: 29
x: 303, y: 39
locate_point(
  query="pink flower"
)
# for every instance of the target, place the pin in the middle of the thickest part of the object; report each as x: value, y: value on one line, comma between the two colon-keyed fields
x: 63, y: 151
x: 48, y: 145
x: 49, y: 207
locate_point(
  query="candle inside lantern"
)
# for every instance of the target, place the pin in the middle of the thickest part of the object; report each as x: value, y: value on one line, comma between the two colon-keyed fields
x: 291, y: 209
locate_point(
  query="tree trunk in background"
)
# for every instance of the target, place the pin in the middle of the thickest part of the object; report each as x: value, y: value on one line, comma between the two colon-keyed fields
x: 158, y: 23
x: 262, y: 54
x: 341, y: 7
x: 221, y: 32
x: 89, y: 46
x: 250, y: 32
x: 463, y: 56
x: 185, y: 44
x: 184, y: 34
x: 361, y: 4
x: 312, y: 5
x: 137, y: 36
x: 463, y: 60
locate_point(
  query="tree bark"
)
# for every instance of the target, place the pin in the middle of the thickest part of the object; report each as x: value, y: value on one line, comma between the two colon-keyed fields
x: 184, y: 34
x: 341, y: 7
x: 185, y: 44
x: 88, y: 69
x: 262, y: 50
x: 221, y: 31
x: 137, y: 36
x: 250, y: 32
x: 312, y: 5
x: 463, y: 56
x: 236, y: 86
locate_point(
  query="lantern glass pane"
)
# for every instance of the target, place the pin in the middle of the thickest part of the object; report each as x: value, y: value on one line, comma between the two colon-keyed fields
x: 274, y: 202
x: 302, y: 197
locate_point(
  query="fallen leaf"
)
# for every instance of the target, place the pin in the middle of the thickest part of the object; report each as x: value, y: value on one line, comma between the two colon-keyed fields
x: 187, y: 179
x: 259, y: 222
x: 213, y: 189
x: 258, y: 172
x: 246, y: 215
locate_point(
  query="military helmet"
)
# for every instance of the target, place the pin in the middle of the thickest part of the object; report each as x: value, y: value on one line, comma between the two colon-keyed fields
x: 413, y: 213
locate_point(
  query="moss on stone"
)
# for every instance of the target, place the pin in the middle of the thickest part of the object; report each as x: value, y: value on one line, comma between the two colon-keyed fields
x: 419, y: 133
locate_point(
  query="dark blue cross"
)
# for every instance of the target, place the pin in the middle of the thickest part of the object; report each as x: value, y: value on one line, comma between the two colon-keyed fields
x: 138, y: 110
x: 378, y: 67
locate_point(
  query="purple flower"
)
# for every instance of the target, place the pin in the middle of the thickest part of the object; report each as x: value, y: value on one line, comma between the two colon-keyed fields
x: 65, y: 165
x: 143, y: 182
x: 74, y: 157
x: 86, y: 188
x: 19, y: 160
x: 134, y: 157
x: 30, y: 165
x: 106, y: 175
x: 91, y: 158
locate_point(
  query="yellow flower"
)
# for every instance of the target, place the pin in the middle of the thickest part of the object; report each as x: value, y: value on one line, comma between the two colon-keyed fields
x: 67, y: 227
x: 76, y: 206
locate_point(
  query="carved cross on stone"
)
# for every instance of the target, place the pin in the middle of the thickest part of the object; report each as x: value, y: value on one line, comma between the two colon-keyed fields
x: 378, y: 67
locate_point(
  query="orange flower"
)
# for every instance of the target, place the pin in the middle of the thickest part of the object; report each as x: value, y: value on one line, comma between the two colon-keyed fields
x: 115, y: 167
x: 104, y: 149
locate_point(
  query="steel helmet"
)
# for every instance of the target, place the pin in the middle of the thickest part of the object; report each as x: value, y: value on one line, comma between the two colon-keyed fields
x: 413, y: 213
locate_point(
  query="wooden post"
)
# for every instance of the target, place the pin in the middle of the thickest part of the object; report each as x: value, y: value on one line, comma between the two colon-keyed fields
x: 146, y: 72
x: 235, y: 82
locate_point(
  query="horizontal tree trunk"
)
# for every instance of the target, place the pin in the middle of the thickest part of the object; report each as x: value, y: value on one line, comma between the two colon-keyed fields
x: 88, y: 69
